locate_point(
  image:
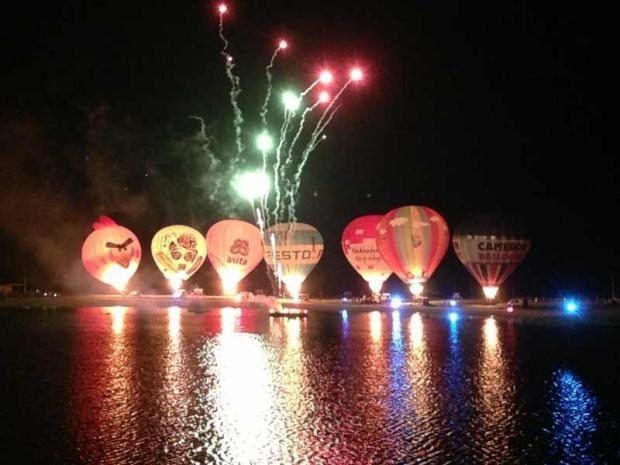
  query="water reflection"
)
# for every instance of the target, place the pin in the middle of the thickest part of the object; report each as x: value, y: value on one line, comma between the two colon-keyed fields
x: 427, y: 436
x: 236, y: 386
x: 400, y: 389
x: 574, y: 419
x: 419, y: 366
x: 375, y: 326
x: 457, y: 384
x: 229, y: 318
x: 174, y: 323
x: 496, y: 392
x: 344, y: 317
x: 174, y: 389
x: 118, y: 319
x: 416, y: 331
x: 117, y: 408
x: 396, y: 327
x: 106, y: 392
x: 292, y: 385
x: 243, y: 392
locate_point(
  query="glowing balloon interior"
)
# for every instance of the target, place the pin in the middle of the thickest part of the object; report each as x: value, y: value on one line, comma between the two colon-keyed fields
x: 413, y: 240
x: 490, y: 248
x: 111, y: 253
x: 359, y: 244
x: 295, y: 250
x: 179, y: 251
x: 235, y: 249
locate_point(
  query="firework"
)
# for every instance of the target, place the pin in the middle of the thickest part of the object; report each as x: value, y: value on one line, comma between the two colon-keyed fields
x: 286, y: 151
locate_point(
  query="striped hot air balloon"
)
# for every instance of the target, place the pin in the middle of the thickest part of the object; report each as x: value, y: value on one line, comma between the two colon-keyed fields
x: 490, y: 248
x: 292, y: 251
x: 359, y: 244
x: 413, y: 240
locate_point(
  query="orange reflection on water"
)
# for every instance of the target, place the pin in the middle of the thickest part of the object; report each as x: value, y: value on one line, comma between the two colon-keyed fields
x: 244, y: 393
x: 174, y: 394
x: 416, y: 331
x: 375, y: 325
x: 118, y: 319
x: 290, y: 372
x: 229, y: 317
x: 174, y: 323
x: 105, y: 360
x: 490, y: 334
x: 420, y: 370
x: 496, y: 391
x: 293, y: 333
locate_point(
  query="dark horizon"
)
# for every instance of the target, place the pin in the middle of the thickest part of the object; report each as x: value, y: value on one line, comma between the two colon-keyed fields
x: 467, y: 109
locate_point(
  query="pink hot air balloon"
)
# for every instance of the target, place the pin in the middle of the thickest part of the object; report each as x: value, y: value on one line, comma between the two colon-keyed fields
x: 234, y: 248
x: 413, y: 240
x: 111, y: 253
x: 359, y: 244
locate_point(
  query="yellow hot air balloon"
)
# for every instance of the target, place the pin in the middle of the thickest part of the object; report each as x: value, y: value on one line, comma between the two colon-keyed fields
x: 178, y: 251
x: 235, y: 248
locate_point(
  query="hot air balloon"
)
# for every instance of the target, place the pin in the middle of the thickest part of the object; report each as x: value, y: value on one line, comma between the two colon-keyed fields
x: 413, y: 240
x: 111, y: 253
x: 235, y: 248
x: 490, y: 247
x: 178, y: 252
x: 293, y: 251
x: 359, y: 244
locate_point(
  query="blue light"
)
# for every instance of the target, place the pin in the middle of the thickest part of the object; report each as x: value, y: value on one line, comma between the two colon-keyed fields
x: 571, y: 306
x: 345, y: 314
x: 396, y: 326
x: 574, y: 416
x: 453, y: 316
x: 452, y: 303
x: 396, y: 302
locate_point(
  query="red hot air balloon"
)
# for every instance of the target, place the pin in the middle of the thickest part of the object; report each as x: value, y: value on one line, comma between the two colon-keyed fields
x: 490, y: 247
x: 234, y: 248
x: 413, y: 240
x: 111, y: 253
x: 359, y: 244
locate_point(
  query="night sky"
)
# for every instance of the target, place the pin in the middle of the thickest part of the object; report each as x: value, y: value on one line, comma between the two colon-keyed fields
x: 468, y: 109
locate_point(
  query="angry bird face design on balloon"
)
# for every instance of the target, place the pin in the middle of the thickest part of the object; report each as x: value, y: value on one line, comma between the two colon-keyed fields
x: 111, y: 253
x: 120, y: 254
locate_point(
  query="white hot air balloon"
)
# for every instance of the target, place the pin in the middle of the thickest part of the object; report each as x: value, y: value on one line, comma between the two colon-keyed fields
x: 293, y: 251
x: 234, y: 249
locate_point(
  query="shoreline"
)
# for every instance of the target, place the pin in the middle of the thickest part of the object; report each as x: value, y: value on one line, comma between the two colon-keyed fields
x: 198, y: 304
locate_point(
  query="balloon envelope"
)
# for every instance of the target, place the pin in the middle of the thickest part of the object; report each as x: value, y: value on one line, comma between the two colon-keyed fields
x: 111, y: 253
x: 413, y: 240
x: 490, y: 248
x: 178, y: 251
x: 298, y: 248
x: 359, y: 244
x: 234, y: 249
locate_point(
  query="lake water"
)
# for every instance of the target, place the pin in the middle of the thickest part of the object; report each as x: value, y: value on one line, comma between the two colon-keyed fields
x: 120, y: 385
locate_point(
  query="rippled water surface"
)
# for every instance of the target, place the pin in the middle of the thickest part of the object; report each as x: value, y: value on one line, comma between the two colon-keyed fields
x: 119, y: 385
